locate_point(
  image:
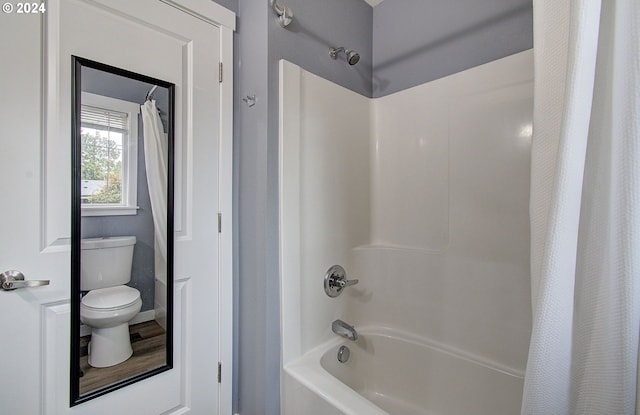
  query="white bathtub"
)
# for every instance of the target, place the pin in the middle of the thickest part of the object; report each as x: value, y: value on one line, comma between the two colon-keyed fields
x: 391, y: 372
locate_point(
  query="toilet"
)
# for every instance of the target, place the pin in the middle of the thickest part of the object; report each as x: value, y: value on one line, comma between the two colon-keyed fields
x: 109, y: 304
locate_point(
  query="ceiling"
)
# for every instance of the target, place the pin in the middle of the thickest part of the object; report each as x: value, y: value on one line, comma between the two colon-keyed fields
x: 373, y: 2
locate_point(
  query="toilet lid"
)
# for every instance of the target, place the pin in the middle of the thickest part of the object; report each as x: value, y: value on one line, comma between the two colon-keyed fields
x: 112, y: 297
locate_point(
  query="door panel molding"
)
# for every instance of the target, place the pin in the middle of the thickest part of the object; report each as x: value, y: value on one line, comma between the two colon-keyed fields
x: 56, y: 107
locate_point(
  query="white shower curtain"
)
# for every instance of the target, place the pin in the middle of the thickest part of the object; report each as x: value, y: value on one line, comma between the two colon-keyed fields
x: 155, y: 158
x: 585, y: 209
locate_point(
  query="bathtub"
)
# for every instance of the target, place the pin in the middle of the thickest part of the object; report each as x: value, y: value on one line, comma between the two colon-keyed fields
x: 391, y: 372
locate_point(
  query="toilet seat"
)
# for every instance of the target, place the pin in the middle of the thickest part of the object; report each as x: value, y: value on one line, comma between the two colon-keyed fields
x: 112, y: 298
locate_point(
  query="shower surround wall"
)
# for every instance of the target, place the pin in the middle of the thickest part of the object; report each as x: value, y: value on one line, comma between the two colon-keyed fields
x: 449, y: 251
x: 325, y: 170
x: 423, y: 196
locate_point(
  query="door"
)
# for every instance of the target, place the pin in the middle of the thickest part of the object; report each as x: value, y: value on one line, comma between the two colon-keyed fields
x: 183, y: 42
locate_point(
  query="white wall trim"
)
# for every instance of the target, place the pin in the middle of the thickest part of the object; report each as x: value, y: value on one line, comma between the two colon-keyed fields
x: 225, y: 208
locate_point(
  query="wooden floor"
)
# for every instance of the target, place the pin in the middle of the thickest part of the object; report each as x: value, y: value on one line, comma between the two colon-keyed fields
x: 148, y: 341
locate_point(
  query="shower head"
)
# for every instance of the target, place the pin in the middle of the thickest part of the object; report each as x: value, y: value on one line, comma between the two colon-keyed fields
x: 352, y: 56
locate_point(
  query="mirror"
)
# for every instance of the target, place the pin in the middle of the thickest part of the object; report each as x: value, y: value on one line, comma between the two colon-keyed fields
x: 122, y: 228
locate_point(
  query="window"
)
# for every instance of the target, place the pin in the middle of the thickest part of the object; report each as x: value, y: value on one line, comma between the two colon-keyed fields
x: 109, y: 134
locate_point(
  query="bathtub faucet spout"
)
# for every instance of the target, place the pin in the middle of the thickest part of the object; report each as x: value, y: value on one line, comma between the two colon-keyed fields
x: 343, y: 329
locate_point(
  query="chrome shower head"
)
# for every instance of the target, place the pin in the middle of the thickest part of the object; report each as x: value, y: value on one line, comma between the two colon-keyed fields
x: 352, y: 56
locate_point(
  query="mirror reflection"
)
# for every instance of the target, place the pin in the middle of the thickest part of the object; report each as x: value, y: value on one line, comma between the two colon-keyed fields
x: 122, y: 215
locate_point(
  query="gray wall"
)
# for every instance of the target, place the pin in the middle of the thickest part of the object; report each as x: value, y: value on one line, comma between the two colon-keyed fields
x: 317, y: 26
x: 229, y: 4
x: 417, y: 41
x: 256, y: 389
x: 390, y: 62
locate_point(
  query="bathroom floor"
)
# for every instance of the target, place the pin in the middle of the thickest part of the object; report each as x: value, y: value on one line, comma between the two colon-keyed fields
x: 148, y: 341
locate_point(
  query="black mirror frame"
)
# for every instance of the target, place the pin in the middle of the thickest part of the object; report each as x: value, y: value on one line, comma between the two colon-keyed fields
x: 76, y: 167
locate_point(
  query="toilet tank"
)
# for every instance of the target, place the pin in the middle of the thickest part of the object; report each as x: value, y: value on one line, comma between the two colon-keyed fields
x: 105, y: 262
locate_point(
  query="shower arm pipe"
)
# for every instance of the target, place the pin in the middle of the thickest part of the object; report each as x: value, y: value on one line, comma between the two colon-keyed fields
x: 285, y: 14
x: 333, y: 52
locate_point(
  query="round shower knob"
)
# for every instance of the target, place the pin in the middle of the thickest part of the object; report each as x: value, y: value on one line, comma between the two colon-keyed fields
x: 335, y: 280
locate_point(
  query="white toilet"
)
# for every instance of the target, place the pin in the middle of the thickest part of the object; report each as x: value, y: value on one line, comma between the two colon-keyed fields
x: 110, y: 304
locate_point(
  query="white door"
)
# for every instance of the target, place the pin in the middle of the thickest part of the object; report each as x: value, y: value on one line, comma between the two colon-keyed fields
x: 182, y: 42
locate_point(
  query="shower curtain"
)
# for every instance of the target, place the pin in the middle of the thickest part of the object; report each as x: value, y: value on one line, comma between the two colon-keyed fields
x: 155, y: 158
x: 585, y: 209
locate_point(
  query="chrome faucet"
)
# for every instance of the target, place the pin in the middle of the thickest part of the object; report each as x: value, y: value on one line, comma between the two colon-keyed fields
x: 341, y: 328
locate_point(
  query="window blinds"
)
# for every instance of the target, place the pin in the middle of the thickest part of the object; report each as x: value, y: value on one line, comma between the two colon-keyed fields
x: 104, y: 119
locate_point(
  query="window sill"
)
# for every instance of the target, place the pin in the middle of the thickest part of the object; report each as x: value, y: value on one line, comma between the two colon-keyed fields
x: 109, y: 210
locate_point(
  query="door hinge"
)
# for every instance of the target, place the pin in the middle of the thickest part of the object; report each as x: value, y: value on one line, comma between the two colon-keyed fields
x: 220, y: 72
x: 219, y: 372
x: 219, y: 222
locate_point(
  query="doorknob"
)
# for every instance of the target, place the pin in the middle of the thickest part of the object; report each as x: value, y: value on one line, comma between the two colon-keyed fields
x: 12, y: 279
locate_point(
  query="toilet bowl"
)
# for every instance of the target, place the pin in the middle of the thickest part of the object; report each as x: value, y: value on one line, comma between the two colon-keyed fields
x: 108, y: 312
x: 109, y: 304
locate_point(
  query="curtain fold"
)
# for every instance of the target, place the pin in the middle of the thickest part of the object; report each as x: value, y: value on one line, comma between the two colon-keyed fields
x: 155, y: 157
x: 585, y: 209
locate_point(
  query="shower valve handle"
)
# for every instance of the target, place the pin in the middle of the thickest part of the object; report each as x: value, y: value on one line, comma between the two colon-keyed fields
x: 335, y: 280
x: 346, y: 283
